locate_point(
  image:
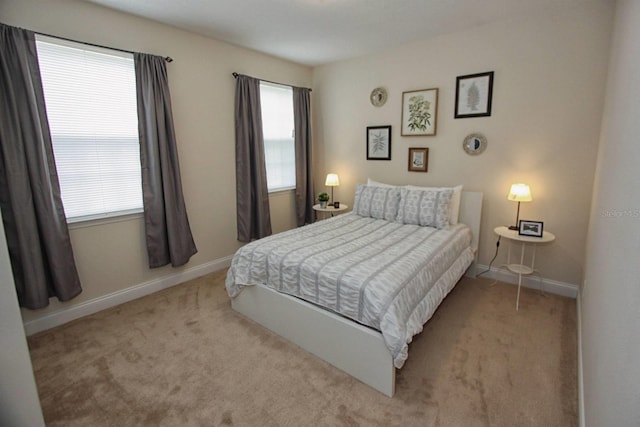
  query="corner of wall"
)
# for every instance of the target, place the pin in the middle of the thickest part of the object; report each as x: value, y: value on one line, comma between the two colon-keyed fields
x: 580, y: 385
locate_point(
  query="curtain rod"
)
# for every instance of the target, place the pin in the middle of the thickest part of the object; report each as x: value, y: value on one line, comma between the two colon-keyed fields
x: 166, y: 58
x: 235, y: 76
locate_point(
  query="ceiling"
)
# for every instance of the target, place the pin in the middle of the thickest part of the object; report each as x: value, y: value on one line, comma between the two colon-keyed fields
x: 315, y: 32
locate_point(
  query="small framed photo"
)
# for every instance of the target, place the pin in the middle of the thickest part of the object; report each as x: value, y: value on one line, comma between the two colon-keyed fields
x: 418, y: 159
x: 419, y: 112
x: 530, y: 228
x: 379, y: 143
x: 473, y: 95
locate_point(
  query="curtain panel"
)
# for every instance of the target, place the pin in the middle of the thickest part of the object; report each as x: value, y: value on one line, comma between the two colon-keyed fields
x: 33, y: 216
x: 304, y: 172
x: 168, y: 234
x: 252, y: 195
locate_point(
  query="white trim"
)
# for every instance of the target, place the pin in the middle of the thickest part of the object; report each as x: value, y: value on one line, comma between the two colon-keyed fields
x: 95, y: 220
x: 105, y: 218
x: 552, y: 286
x: 581, y: 421
x: 95, y: 305
x: 273, y: 191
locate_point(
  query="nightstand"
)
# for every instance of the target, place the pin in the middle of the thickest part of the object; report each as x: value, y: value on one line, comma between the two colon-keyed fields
x: 330, y: 209
x: 522, y: 269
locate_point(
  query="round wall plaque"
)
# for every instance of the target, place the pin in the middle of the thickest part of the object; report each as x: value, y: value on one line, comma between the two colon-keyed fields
x: 474, y: 143
x: 378, y: 96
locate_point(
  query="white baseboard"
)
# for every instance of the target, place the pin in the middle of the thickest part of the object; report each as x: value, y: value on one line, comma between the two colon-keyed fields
x: 86, y: 308
x: 552, y: 286
x: 581, y: 421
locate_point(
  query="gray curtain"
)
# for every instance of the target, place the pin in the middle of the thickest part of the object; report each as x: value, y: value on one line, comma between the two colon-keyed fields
x: 34, y: 220
x: 168, y: 234
x: 252, y: 196
x: 304, y: 174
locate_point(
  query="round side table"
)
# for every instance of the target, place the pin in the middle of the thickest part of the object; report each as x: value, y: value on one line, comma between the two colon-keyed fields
x: 330, y: 209
x: 521, y: 269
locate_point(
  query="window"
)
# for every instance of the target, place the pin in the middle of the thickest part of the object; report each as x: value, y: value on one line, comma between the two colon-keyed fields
x: 276, y: 102
x: 90, y: 95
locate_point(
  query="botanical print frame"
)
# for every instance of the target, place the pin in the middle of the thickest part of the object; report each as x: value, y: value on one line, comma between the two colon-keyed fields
x: 530, y: 228
x: 418, y: 159
x: 419, y: 112
x: 473, y: 95
x: 378, y: 142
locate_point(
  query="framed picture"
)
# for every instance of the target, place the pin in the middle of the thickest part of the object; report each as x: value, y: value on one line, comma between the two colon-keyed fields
x: 473, y: 95
x: 379, y: 143
x: 530, y: 228
x: 419, y: 112
x: 418, y: 159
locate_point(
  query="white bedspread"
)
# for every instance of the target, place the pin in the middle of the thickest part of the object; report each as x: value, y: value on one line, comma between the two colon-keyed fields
x: 385, y: 275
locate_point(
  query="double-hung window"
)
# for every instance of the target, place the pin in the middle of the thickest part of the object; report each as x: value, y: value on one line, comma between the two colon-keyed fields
x: 90, y: 97
x: 276, y: 102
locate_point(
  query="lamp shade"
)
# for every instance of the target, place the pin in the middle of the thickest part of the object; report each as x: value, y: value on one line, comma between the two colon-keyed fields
x: 520, y: 193
x: 332, y: 180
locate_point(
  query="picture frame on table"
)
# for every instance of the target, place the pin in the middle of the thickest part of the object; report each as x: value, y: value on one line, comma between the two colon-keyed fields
x: 378, y: 142
x: 418, y: 159
x: 419, y: 112
x: 530, y: 228
x: 474, y: 93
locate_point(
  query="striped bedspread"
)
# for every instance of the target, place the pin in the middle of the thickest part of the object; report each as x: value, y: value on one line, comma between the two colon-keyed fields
x: 382, y: 274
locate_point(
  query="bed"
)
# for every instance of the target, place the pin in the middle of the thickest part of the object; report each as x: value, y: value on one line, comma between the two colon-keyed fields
x: 354, y: 289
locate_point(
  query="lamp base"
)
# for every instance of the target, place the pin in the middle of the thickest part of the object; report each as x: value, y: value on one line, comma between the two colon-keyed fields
x: 513, y: 227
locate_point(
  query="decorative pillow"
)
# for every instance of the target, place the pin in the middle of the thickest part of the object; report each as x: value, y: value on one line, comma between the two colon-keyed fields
x: 372, y: 183
x: 377, y: 202
x: 454, y: 210
x: 429, y: 208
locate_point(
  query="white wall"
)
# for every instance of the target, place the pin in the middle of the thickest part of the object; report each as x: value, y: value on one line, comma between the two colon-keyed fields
x: 19, y: 404
x: 111, y: 258
x: 550, y: 73
x: 611, y: 293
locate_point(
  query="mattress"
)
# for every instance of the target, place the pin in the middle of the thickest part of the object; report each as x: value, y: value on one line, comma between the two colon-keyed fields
x: 382, y: 274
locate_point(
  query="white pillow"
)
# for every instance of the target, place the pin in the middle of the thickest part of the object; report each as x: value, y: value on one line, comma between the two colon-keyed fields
x: 372, y: 183
x: 454, y: 207
x: 428, y: 208
x: 377, y: 202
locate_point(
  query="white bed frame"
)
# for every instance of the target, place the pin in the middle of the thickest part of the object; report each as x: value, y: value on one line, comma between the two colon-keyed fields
x: 347, y: 345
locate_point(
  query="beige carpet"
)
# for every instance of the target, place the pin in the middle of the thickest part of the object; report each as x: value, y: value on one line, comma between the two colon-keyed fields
x: 183, y: 357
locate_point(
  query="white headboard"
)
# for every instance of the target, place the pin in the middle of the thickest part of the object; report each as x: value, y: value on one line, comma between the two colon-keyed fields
x: 471, y: 214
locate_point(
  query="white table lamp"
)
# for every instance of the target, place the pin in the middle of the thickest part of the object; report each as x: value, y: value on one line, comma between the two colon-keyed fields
x: 332, y: 181
x: 519, y: 193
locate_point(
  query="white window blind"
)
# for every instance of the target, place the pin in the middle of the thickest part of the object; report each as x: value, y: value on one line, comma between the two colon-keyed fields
x: 276, y: 102
x: 90, y: 95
